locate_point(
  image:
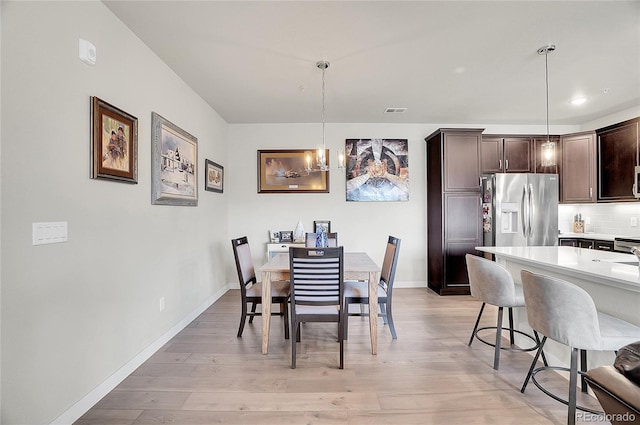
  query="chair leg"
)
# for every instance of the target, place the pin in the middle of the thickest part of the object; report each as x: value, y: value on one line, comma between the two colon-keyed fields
x: 473, y: 333
x: 383, y: 311
x: 345, y: 318
x: 544, y: 358
x: 253, y: 310
x: 496, y: 353
x: 511, y: 332
x: 243, y: 317
x: 573, y: 380
x: 341, y: 340
x: 284, y: 309
x: 298, y: 333
x: 533, y: 364
x: 583, y: 368
x: 294, y: 328
x: 389, y: 317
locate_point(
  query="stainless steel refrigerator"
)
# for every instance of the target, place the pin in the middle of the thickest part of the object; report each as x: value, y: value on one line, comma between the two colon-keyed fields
x: 520, y: 209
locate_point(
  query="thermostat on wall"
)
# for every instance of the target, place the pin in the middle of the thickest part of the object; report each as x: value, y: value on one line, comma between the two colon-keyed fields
x: 87, y: 52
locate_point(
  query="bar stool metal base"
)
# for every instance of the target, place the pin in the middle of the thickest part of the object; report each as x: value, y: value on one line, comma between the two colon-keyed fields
x: 499, y: 328
x: 555, y: 397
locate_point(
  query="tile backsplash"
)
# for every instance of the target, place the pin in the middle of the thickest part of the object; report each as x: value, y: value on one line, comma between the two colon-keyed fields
x: 612, y: 219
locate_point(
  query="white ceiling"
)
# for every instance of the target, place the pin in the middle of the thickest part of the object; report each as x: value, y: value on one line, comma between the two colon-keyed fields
x: 447, y: 62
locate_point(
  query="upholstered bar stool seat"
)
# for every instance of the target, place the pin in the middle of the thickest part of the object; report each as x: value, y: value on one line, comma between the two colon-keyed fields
x: 493, y: 284
x: 567, y: 314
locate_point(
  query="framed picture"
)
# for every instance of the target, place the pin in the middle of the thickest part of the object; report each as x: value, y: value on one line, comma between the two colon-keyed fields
x: 320, y: 226
x: 286, y: 236
x: 290, y: 171
x: 214, y: 176
x: 174, y: 154
x: 274, y: 236
x: 114, y: 144
x: 377, y: 169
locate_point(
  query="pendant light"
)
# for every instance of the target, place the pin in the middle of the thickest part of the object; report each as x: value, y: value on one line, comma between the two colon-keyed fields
x: 321, y: 151
x: 548, y: 148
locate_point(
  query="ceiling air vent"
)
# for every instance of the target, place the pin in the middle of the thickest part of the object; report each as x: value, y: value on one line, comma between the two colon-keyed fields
x: 395, y: 110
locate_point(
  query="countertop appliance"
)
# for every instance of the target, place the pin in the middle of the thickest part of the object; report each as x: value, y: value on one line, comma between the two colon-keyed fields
x: 520, y: 209
x: 625, y: 244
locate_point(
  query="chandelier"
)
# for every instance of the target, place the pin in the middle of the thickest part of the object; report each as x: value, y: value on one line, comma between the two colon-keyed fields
x: 548, y: 147
x: 321, y: 160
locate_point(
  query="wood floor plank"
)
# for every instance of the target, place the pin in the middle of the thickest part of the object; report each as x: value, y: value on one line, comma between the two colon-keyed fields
x: 429, y: 375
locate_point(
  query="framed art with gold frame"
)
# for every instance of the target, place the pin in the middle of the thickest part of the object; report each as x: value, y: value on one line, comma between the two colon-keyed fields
x: 290, y: 171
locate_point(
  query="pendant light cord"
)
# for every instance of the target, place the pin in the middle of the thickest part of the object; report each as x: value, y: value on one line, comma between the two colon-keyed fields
x: 323, y: 138
x: 546, y: 73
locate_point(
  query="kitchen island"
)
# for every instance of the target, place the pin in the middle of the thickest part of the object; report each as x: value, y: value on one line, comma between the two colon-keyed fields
x: 612, y: 279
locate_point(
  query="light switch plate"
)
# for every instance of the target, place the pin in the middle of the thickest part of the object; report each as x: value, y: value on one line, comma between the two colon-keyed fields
x: 50, y: 232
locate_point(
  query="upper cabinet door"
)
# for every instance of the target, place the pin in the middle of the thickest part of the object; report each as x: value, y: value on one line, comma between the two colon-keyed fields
x: 578, y: 168
x: 492, y: 155
x: 617, y: 157
x: 462, y: 161
x: 517, y: 155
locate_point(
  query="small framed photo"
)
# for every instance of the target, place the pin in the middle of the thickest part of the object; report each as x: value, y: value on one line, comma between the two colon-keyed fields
x: 320, y: 226
x: 274, y: 236
x: 114, y: 144
x: 214, y: 176
x: 174, y: 174
x: 286, y: 236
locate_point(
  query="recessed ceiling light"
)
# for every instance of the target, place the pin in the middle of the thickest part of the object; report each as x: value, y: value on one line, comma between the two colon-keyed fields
x: 395, y: 110
x: 578, y: 101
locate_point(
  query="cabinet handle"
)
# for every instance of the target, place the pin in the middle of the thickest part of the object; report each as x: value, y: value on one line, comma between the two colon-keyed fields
x: 499, y: 163
x: 590, y: 192
x: 506, y: 164
x: 604, y: 247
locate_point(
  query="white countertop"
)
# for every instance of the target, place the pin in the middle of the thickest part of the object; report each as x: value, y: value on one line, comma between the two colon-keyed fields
x: 601, y: 266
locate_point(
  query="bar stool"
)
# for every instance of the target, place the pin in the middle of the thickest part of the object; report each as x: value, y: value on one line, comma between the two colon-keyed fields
x: 566, y: 313
x: 492, y: 284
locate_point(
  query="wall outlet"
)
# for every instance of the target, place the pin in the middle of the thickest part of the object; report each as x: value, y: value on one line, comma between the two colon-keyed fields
x: 634, y: 222
x: 587, y: 220
x: 161, y: 303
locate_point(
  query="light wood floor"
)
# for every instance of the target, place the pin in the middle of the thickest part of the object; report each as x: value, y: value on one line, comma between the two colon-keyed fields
x: 429, y: 375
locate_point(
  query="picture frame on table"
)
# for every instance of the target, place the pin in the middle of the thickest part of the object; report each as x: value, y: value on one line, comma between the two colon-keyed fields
x: 320, y: 226
x: 274, y: 236
x: 114, y: 143
x: 286, y: 236
x: 291, y: 171
x: 174, y: 164
x: 214, y: 176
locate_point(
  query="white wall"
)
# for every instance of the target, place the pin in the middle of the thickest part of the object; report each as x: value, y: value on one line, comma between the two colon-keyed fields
x: 74, y: 313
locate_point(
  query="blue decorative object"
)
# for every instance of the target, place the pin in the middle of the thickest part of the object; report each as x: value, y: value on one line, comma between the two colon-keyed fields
x: 322, y: 241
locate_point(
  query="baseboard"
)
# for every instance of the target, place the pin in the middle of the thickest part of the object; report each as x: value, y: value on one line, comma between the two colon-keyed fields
x: 410, y: 284
x: 88, y: 401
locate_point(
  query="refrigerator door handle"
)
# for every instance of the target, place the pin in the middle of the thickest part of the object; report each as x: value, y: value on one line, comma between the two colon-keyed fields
x: 531, y: 211
x: 524, y: 214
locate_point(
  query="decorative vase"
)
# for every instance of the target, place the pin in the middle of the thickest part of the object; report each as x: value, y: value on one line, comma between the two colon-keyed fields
x: 298, y: 233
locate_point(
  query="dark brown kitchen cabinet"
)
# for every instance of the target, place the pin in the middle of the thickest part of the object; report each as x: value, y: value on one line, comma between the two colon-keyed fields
x: 454, y: 210
x: 577, y: 168
x: 618, y: 153
x: 537, y: 143
x: 568, y: 242
x: 510, y: 154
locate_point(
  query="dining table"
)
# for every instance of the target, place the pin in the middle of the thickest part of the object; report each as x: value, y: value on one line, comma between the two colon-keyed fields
x: 357, y: 266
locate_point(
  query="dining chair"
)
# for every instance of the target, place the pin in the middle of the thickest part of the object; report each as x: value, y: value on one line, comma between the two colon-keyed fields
x: 357, y: 292
x: 316, y: 277
x: 310, y: 240
x: 251, y: 289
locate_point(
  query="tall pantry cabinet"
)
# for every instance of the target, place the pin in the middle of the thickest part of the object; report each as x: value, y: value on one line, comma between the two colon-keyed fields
x: 454, y: 207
